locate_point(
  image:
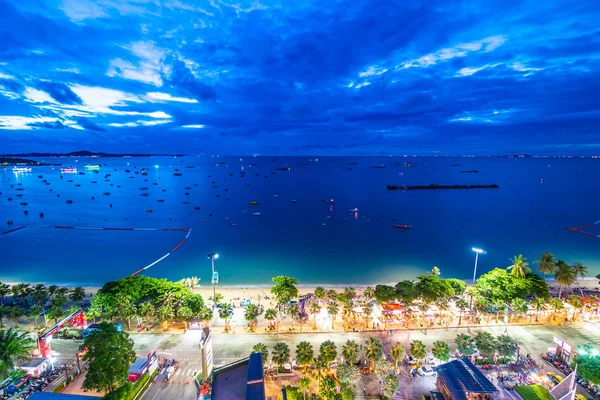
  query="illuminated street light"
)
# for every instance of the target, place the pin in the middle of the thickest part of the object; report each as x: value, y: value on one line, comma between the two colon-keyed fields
x: 477, y: 251
x: 215, y: 276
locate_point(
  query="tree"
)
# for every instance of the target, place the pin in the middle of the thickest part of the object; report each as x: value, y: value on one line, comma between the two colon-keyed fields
x: 331, y: 294
x: 328, y: 388
x: 226, y: 311
x: 195, y: 302
x: 406, y: 292
x: 147, y: 310
x: 462, y: 305
x: 165, y: 313
x: 15, y: 346
x: 319, y: 293
x: 464, y: 344
x: 39, y: 294
x: 588, y: 367
x: 519, y: 266
x: 284, y: 289
x: 304, y: 386
x: 127, y: 310
x: 417, y: 350
x: 458, y: 286
x: 580, y: 271
x: 77, y: 294
x: 564, y: 275
x: 251, y: 314
x: 281, y: 353
x: 5, y: 291
x: 110, y: 354
x: 205, y: 315
x: 486, y: 343
x: 384, y: 294
x: 4, y: 312
x: 440, y: 350
x: 52, y: 290
x: 577, y: 303
x: 263, y: 350
x: 367, y: 312
x: 369, y: 293
x: 333, y: 309
x: 184, y: 313
x: 304, y: 354
x: 546, y: 264
x: 15, y: 313
x: 347, y: 374
x: 557, y: 304
x: 328, y: 351
x: 34, y: 313
x: 397, y: 353
x: 350, y: 293
x: 389, y: 386
x: 432, y: 288
x: 350, y: 352
x: 60, y: 300
x: 314, y: 308
x: 519, y: 306
x: 500, y: 285
x: 373, y: 351
x: 294, y: 311
x: 270, y: 314
x: 505, y: 346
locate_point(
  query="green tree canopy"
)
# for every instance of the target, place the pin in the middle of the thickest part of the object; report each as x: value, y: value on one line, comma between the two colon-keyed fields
x: 284, y: 289
x: 281, y: 353
x: 486, y: 343
x: 500, y: 285
x: 319, y: 292
x: 110, y: 354
x: 505, y: 345
x: 15, y: 346
x: 384, y: 293
x: 464, y: 344
x: 406, y: 291
x: 440, y: 350
x: 373, y: 351
x: 350, y: 352
x: 417, y: 350
x: 328, y: 351
x: 588, y: 367
x: 458, y: 285
x: 432, y: 288
x: 263, y: 350
x: 304, y: 354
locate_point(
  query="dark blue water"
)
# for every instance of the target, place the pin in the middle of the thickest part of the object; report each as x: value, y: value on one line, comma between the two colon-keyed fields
x: 316, y: 242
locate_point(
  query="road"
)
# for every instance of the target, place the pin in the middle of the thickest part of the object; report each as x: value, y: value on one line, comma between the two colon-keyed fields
x: 230, y: 347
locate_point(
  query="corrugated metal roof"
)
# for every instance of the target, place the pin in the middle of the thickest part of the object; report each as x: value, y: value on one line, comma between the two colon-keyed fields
x: 461, y: 377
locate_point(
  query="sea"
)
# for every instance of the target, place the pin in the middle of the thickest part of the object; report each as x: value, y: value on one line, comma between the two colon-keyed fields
x: 323, y: 220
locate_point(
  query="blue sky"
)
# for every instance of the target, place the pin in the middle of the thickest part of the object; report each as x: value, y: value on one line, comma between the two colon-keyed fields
x: 300, y: 77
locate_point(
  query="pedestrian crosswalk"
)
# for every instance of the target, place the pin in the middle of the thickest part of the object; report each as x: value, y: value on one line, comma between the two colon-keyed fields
x: 185, y: 372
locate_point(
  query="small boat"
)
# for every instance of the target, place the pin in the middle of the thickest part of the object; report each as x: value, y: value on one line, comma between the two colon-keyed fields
x: 397, y: 226
x: 69, y: 201
x: 127, y: 170
x: 78, y: 185
x: 283, y: 169
x: 143, y: 188
x: 353, y: 210
x: 82, y: 173
x: 232, y: 224
x: 177, y: 174
x: 160, y: 200
x: 276, y: 195
x: 186, y: 202
x: 197, y: 208
x: 41, y: 215
x: 256, y: 214
x: 92, y: 167
x: 21, y: 169
x: 144, y: 171
x: 24, y: 203
x: 378, y: 166
x: 149, y: 210
x: 294, y: 201
x: 68, y: 170
x: 25, y: 212
x: 9, y: 222
x: 106, y: 193
x: 254, y: 203
x: 94, y: 181
x: 145, y: 194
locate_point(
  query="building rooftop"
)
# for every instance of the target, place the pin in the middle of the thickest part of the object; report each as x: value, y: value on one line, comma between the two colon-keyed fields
x: 34, y: 362
x: 242, y: 379
x: 459, y: 377
x: 58, y: 396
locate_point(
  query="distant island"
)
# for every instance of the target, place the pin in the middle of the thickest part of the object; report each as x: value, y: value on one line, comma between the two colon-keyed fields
x: 6, y: 161
x: 435, y: 186
x: 86, y: 153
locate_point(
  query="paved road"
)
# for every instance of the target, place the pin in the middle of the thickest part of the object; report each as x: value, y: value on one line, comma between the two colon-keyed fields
x: 228, y: 347
x: 180, y: 386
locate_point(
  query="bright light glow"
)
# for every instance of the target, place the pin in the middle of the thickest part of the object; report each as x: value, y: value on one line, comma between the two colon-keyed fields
x: 216, y: 256
x: 476, y: 250
x: 156, y: 166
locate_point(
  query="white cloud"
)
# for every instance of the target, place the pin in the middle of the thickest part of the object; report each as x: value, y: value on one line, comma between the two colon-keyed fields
x: 37, y: 96
x: 70, y: 70
x: 14, y: 122
x: 4, y: 76
x: 139, y: 123
x: 195, y: 126
x: 78, y: 10
x: 361, y: 85
x: 460, y: 50
x: 146, y: 70
x: 522, y: 68
x: 470, y: 71
x: 373, y: 70
x: 488, y: 117
x: 9, y: 94
x: 123, y: 125
x: 154, y: 97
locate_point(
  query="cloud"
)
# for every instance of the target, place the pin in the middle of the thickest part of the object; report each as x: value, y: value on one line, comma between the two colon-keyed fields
x: 59, y: 92
x: 89, y: 125
x: 48, y: 124
x: 194, y: 126
x: 184, y: 81
x: 146, y: 68
x: 470, y: 71
x: 156, y: 97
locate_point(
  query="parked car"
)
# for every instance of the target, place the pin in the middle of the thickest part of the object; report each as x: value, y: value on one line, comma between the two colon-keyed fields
x: 426, y: 371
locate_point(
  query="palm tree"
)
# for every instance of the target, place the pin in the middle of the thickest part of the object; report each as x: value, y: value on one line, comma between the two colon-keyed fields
x: 464, y: 344
x: 577, y: 304
x: 294, y: 311
x: 319, y: 293
x: 328, y: 351
x: 4, y: 291
x: 15, y: 346
x: 77, y: 294
x: 333, y: 309
x: 397, y: 353
x: 350, y: 293
x: 304, y: 386
x: 331, y: 294
x: 369, y: 293
x: 15, y: 313
x: 519, y: 305
x: 146, y: 310
x: 505, y: 345
x: 564, y: 275
x: 304, y: 354
x: 350, y: 352
x: 557, y: 304
x: 348, y: 311
x: 580, y: 271
x: 314, y: 308
x: 367, y: 312
x: 40, y: 294
x: 4, y: 312
x: 486, y: 343
x: 547, y: 264
x: 539, y: 305
x: 417, y: 350
x: 440, y: 350
x: 462, y: 305
x: 34, y: 313
x: 127, y: 311
x: 281, y: 353
x: 165, y: 313
x: 251, y: 314
x: 519, y: 266
x: 263, y: 350
x: 373, y: 351
x: 226, y: 311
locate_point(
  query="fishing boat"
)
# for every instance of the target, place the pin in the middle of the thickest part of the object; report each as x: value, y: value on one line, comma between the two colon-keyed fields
x: 397, y: 226
x: 21, y: 169
x: 149, y: 210
x: 144, y: 171
x: 69, y: 201
x: 68, y: 170
x: 106, y: 193
x: 145, y: 194
x: 254, y: 203
x: 256, y: 214
x: 92, y: 167
x: 177, y: 174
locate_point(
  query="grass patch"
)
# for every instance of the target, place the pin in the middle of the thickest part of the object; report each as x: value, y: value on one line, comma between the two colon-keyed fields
x: 534, y: 392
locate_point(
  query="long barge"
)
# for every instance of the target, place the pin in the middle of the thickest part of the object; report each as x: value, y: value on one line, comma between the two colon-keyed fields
x: 435, y: 186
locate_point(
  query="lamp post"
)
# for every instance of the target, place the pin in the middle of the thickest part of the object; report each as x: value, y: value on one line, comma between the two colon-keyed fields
x: 214, y: 280
x: 477, y: 253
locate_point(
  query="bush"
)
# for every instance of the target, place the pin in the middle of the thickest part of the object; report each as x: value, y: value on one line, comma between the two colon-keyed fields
x: 533, y: 392
x: 122, y: 393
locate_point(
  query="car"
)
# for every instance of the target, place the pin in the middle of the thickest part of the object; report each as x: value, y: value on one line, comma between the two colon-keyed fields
x: 410, y: 359
x: 426, y: 371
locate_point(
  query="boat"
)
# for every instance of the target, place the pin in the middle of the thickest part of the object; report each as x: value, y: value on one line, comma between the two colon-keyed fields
x: 294, y: 201
x: 68, y: 170
x: 353, y: 210
x: 69, y: 201
x: 9, y: 222
x: 196, y: 208
x: 256, y: 214
x: 92, y: 167
x: 23, y: 203
x: 397, y: 226
x: 276, y: 195
x: 144, y: 171
x: 160, y: 200
x: 21, y: 169
x: 177, y: 174
x: 254, y: 203
x: 41, y: 215
x: 283, y: 169
x: 106, y: 193
x: 145, y: 194
x: 149, y: 210
x: 378, y: 166
x: 186, y: 202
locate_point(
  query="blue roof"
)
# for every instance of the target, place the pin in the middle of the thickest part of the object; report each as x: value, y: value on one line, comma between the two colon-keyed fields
x: 460, y: 377
x: 242, y: 379
x: 58, y: 396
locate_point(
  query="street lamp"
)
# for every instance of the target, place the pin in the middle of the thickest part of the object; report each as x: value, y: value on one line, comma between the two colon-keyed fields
x: 477, y: 253
x: 214, y: 279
